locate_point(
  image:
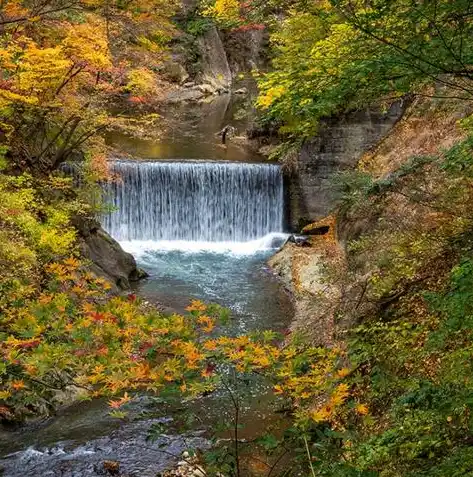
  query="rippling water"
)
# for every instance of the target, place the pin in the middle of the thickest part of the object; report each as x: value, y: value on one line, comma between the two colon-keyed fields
x: 234, y: 276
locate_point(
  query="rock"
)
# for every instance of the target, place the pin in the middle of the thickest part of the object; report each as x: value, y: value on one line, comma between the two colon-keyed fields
x: 299, y: 240
x: 141, y: 274
x: 175, y: 72
x: 242, y: 91
x: 340, y: 143
x: 246, y: 50
x: 319, y: 230
x: 183, y: 95
x: 206, y: 89
x: 199, y: 472
x: 108, y: 259
x: 190, y: 84
x: 303, y: 270
x: 111, y: 467
x: 213, y: 60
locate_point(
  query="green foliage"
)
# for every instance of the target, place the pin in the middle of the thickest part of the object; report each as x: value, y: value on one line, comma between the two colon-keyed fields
x: 422, y: 390
x: 459, y: 158
x: 198, y: 25
x: 351, y: 187
x: 411, y: 356
x: 338, y: 55
x: 35, y: 229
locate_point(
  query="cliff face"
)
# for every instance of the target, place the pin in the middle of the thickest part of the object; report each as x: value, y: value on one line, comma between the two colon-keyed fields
x: 246, y: 50
x: 339, y: 146
x: 215, y: 69
x: 207, y: 61
x: 388, y: 241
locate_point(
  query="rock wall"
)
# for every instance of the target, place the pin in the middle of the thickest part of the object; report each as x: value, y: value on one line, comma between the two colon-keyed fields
x: 339, y: 146
x: 331, y: 283
x: 246, y: 50
x: 215, y: 69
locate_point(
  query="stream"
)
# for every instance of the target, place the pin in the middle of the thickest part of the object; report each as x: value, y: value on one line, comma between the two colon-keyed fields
x: 202, y: 229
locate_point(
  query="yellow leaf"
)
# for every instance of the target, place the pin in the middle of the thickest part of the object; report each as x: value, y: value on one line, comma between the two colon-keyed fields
x: 361, y: 409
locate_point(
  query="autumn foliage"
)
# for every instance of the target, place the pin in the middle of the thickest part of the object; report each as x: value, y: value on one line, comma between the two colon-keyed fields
x: 62, y: 64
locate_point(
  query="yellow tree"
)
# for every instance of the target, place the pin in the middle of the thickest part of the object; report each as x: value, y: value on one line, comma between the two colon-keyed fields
x: 62, y: 63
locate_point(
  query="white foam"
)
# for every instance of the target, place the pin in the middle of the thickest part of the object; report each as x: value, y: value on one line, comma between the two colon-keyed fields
x: 271, y: 241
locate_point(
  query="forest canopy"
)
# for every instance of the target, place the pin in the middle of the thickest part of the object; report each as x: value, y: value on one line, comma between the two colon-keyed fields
x: 332, y: 56
x: 64, y: 63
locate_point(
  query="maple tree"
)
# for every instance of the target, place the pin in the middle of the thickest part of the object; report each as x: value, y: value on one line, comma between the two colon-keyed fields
x: 334, y: 56
x: 62, y: 63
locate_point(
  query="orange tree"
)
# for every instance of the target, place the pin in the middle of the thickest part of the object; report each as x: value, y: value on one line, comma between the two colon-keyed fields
x: 62, y: 62
x: 71, y: 337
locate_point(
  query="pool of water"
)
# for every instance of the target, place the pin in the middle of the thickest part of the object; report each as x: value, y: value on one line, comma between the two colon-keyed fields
x: 234, y: 275
x: 191, y: 131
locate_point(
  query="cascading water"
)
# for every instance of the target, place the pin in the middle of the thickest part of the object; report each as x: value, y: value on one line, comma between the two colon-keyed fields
x: 194, y: 201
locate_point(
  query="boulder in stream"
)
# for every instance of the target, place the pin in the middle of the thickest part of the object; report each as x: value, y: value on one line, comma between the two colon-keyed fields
x: 107, y: 258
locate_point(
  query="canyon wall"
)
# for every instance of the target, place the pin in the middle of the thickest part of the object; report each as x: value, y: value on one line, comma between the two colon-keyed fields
x: 339, y: 146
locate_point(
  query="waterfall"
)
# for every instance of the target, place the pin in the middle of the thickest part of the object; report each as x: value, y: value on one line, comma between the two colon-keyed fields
x: 194, y: 201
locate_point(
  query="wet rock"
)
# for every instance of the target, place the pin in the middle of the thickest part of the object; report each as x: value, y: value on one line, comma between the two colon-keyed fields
x: 199, y: 472
x: 128, y: 446
x: 107, y: 258
x: 303, y: 270
x: 111, y: 467
x: 141, y: 274
x: 299, y: 240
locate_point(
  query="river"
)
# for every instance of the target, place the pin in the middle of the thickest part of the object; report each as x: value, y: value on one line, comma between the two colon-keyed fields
x: 202, y: 225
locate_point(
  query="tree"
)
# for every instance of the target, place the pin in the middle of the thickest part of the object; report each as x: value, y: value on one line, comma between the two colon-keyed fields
x: 340, y: 55
x: 62, y: 62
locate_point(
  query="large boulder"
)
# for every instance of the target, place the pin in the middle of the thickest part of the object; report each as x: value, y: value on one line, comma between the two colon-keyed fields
x: 107, y: 258
x: 175, y: 72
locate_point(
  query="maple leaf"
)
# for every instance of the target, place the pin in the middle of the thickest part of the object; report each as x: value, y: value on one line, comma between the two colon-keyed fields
x: 341, y: 373
x: 119, y: 402
x: 196, y: 305
x: 278, y: 389
x: 18, y: 384
x: 209, y: 370
x: 361, y: 409
x: 210, y: 345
